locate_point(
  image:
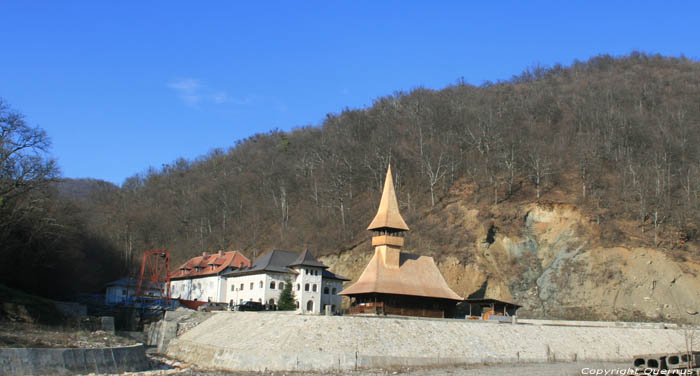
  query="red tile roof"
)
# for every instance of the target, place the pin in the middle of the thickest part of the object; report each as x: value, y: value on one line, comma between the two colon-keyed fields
x: 210, y: 264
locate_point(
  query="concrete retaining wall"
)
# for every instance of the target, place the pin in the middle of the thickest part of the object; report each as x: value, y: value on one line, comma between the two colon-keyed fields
x: 35, y: 361
x: 250, y: 341
x: 601, y: 324
x: 160, y: 333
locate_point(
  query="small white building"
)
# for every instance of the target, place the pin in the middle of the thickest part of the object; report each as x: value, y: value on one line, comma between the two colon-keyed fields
x: 121, y: 290
x: 202, y: 278
x: 313, y: 285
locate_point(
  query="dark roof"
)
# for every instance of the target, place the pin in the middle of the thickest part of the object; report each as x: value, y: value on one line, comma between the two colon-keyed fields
x: 326, y: 274
x: 133, y: 282
x: 275, y: 261
x: 307, y: 258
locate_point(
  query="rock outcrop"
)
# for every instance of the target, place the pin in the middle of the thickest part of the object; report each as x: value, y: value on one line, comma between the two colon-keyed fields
x: 549, y: 258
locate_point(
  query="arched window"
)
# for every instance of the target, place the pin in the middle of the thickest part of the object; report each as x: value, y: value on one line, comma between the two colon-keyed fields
x: 314, y: 287
x: 252, y: 285
x: 296, y: 303
x: 306, y: 287
x: 261, y: 284
x: 310, y: 306
x: 272, y: 301
x: 272, y: 285
x: 298, y: 288
x: 259, y: 300
x: 241, y: 287
x: 325, y: 290
x: 334, y: 290
x: 281, y: 285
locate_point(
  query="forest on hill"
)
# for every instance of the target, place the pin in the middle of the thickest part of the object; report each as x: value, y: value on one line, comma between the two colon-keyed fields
x: 617, y: 136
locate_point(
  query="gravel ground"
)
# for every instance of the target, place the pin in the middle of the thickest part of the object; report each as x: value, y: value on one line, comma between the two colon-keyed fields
x: 18, y: 334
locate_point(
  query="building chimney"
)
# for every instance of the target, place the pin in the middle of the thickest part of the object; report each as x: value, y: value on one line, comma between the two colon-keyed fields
x: 221, y: 253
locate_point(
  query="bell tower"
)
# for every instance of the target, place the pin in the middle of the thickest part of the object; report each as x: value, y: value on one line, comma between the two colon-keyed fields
x: 388, y: 226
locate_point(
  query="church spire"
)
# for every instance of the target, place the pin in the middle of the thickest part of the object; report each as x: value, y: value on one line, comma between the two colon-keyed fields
x: 388, y: 217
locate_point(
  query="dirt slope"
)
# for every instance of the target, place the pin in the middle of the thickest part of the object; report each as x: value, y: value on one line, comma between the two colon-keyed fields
x: 548, y: 258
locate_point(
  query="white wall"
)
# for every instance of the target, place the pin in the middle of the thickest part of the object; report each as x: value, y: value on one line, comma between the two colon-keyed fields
x: 239, y: 288
x: 332, y: 298
x: 117, y: 294
x: 201, y: 289
x: 180, y: 289
x: 308, y: 276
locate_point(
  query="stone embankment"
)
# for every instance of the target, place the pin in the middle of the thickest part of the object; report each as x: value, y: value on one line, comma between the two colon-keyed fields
x: 277, y: 341
x: 173, y: 324
x: 46, y: 361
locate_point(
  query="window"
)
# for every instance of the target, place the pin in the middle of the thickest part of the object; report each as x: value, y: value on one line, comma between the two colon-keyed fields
x: 272, y: 301
x: 334, y: 290
x: 261, y: 284
x: 314, y: 287
x: 272, y: 285
x: 306, y: 287
x: 241, y: 287
x: 232, y: 288
x: 259, y: 300
x: 298, y: 287
x: 296, y: 303
x: 251, y: 285
x: 325, y: 290
x: 310, y: 306
x: 281, y: 286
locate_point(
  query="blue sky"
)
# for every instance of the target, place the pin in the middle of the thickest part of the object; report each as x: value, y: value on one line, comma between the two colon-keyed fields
x: 121, y: 86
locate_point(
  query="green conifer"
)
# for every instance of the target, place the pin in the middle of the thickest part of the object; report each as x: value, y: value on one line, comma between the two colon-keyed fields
x: 287, y: 301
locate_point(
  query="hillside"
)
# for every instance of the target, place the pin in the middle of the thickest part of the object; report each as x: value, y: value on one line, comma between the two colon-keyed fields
x: 550, y: 259
x: 572, y: 190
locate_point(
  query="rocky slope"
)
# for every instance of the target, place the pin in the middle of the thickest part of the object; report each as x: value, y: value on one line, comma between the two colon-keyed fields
x: 549, y: 259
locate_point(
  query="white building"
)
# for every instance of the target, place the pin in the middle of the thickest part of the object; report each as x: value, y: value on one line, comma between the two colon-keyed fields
x: 202, y: 278
x: 121, y: 290
x: 313, y: 285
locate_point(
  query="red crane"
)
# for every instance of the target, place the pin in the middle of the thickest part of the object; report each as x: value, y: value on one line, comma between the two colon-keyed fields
x: 155, y: 268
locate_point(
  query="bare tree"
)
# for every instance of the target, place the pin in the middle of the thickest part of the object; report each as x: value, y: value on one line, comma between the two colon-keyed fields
x: 24, y: 163
x: 539, y: 166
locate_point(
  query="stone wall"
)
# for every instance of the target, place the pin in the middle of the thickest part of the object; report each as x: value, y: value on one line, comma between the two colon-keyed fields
x: 277, y: 341
x: 46, y: 361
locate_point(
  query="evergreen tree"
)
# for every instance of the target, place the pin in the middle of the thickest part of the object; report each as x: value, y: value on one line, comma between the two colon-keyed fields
x: 286, y: 302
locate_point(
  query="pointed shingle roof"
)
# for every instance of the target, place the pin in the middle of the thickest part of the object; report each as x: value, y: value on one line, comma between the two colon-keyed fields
x: 416, y: 276
x: 388, y: 216
x: 307, y: 258
x: 275, y: 261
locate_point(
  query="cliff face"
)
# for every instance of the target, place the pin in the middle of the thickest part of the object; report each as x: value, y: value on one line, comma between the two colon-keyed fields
x: 549, y: 258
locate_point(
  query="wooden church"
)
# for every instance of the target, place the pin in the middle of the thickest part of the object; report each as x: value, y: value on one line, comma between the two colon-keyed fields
x: 397, y: 283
